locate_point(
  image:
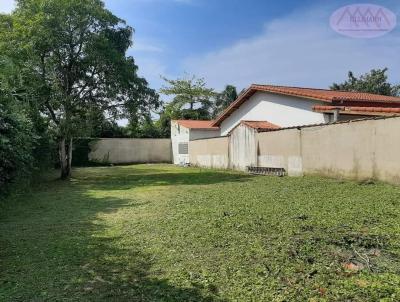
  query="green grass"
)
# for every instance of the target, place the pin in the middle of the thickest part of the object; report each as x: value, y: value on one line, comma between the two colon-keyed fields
x: 163, y: 233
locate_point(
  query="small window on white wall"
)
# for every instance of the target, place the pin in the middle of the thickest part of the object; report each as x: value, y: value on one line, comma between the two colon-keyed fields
x: 183, y: 148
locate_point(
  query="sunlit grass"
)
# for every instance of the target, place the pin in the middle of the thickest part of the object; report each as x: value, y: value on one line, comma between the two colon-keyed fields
x: 164, y: 233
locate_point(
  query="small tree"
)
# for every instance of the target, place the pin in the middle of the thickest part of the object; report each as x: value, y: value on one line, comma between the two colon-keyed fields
x: 191, y: 97
x: 373, y: 82
x: 72, y: 54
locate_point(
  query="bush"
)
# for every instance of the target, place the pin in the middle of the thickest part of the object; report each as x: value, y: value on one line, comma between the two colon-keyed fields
x: 16, y: 144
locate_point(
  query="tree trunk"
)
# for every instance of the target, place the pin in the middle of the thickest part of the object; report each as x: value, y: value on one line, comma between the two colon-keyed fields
x: 65, y: 151
x: 70, y: 155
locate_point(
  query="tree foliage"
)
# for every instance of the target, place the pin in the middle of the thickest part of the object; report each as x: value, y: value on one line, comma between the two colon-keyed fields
x: 224, y: 99
x: 191, y: 97
x: 17, y: 137
x: 375, y: 81
x: 16, y: 143
x: 72, y: 54
x: 192, y: 100
x: 144, y: 127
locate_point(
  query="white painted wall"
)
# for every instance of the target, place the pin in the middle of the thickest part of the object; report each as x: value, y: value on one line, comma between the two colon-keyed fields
x: 180, y: 134
x: 284, y: 111
x: 243, y: 148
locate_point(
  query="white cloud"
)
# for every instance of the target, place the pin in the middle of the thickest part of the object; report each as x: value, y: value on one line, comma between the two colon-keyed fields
x: 145, y: 47
x: 300, y: 50
x: 6, y: 6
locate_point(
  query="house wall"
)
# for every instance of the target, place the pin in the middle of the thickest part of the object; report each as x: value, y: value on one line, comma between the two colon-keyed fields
x: 284, y: 111
x: 180, y: 134
x: 210, y: 153
x: 131, y: 150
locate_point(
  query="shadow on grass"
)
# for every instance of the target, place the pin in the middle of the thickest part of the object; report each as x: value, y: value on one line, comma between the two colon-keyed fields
x: 136, y: 178
x: 56, y: 246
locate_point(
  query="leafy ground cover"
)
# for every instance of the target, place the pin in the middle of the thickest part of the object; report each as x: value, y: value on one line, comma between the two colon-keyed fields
x: 164, y: 233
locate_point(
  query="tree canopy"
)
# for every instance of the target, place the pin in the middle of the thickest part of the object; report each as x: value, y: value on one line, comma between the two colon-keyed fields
x: 375, y: 81
x: 224, y: 99
x: 16, y: 132
x: 191, y: 97
x: 72, y: 57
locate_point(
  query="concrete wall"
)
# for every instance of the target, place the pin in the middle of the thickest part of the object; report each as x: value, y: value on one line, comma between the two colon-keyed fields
x: 359, y: 150
x: 281, y: 149
x: 131, y: 150
x: 200, y: 133
x: 242, y: 147
x: 210, y: 153
x: 284, y: 111
x: 367, y: 149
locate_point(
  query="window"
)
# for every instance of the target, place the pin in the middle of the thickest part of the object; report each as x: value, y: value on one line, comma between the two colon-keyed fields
x: 183, y: 148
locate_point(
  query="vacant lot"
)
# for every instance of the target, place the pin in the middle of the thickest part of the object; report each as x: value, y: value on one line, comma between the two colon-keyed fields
x: 162, y: 233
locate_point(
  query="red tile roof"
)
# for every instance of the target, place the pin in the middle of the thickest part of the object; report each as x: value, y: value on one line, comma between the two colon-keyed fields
x: 260, y: 125
x: 359, y: 110
x: 329, y: 96
x: 349, y: 121
x: 326, y: 95
x: 197, y: 124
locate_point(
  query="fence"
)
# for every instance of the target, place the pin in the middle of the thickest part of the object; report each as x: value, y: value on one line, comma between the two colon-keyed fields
x: 129, y: 150
x: 364, y: 149
x: 210, y: 152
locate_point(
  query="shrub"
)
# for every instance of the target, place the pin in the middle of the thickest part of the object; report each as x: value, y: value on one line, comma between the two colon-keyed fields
x: 16, y: 144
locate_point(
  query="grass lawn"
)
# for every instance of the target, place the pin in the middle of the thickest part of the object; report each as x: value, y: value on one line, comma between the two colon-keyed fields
x: 164, y: 233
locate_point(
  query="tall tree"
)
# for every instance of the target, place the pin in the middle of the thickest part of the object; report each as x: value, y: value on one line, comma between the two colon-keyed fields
x: 192, y: 99
x: 376, y: 81
x: 72, y: 54
x: 224, y: 99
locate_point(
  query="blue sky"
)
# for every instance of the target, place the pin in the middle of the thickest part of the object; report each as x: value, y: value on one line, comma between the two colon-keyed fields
x: 242, y: 42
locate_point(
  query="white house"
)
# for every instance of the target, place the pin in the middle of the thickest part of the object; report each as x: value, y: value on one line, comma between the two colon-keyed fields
x: 295, y: 106
x: 182, y: 131
x: 281, y: 106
